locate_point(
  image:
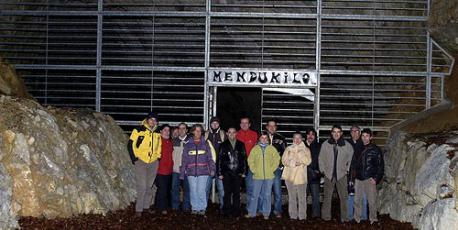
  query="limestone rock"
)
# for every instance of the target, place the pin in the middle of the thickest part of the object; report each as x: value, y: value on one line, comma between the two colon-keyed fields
x: 439, y: 215
x: 7, y: 217
x: 61, y: 162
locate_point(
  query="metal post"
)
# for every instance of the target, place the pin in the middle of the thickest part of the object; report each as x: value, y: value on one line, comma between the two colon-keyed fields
x: 316, y: 110
x: 428, y: 70
x: 98, y: 80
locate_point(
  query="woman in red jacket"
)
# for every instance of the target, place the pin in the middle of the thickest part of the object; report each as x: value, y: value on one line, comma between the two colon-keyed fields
x: 164, y: 172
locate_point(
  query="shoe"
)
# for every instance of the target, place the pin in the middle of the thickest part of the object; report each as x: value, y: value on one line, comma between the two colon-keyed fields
x: 278, y: 216
x: 138, y: 214
x: 248, y: 216
x: 373, y: 222
x: 164, y: 212
x: 266, y: 217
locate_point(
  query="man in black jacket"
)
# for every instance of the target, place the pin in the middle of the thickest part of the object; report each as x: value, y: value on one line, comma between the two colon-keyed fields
x: 231, y: 167
x: 313, y: 171
x: 358, y: 146
x: 279, y: 142
x: 367, y: 168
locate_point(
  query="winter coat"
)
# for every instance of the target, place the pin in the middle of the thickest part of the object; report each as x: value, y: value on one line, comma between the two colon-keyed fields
x: 166, y: 162
x: 313, y: 169
x: 144, y: 144
x: 263, y: 163
x: 368, y: 164
x: 344, y: 157
x: 178, y: 146
x: 198, y: 159
x: 249, y: 138
x: 296, y: 154
x: 231, y: 160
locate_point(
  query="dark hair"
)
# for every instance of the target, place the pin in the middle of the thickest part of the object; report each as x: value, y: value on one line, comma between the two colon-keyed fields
x: 271, y: 120
x: 197, y: 126
x: 182, y: 123
x: 232, y: 127
x: 336, y: 127
x: 297, y: 132
x: 368, y: 131
x: 263, y: 133
x: 245, y: 117
x: 164, y: 126
x: 308, y: 130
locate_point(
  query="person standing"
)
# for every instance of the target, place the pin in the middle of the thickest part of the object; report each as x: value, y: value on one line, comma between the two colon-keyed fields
x: 164, y: 172
x: 313, y: 171
x: 231, y: 168
x: 197, y: 165
x: 144, y: 148
x: 262, y: 161
x: 368, y: 168
x: 295, y: 159
x: 178, y: 145
x: 357, y: 143
x: 216, y: 136
x: 249, y: 138
x: 334, y: 162
x: 279, y: 142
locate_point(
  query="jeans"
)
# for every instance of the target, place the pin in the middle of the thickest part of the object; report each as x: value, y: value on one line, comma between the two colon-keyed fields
x: 315, y: 192
x: 175, y: 193
x: 351, y: 201
x: 219, y: 187
x: 277, y: 192
x: 248, y: 188
x: 197, y: 191
x: 263, y: 189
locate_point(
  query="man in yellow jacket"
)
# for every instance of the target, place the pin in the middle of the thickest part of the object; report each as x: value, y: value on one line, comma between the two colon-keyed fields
x: 145, y: 150
x: 263, y: 161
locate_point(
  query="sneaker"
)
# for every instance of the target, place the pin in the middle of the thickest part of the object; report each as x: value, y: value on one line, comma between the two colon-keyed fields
x: 248, y: 216
x: 164, y: 212
x: 266, y: 217
x: 278, y: 216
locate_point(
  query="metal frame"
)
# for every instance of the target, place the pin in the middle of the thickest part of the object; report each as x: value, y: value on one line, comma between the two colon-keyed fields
x: 320, y: 14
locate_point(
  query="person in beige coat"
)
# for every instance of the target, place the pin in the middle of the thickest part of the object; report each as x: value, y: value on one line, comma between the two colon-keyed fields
x: 296, y: 158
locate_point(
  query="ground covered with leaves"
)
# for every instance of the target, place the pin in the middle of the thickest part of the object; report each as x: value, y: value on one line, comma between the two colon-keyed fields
x: 125, y: 219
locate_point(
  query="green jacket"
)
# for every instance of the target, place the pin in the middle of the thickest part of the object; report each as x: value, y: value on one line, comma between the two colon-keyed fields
x: 263, y: 165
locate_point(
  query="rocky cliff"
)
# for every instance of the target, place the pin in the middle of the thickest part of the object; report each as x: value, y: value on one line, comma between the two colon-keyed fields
x: 421, y: 174
x: 60, y: 162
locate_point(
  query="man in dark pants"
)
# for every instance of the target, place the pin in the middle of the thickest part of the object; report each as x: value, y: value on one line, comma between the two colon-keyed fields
x: 313, y: 171
x: 231, y: 169
x: 368, y: 169
x: 334, y: 162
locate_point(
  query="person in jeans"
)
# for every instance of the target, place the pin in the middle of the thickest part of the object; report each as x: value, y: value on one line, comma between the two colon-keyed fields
x: 334, y: 162
x: 368, y: 167
x: 216, y: 136
x: 178, y: 144
x: 279, y: 142
x: 295, y: 160
x: 262, y: 161
x: 231, y: 169
x: 357, y: 143
x: 197, y: 165
x: 164, y: 172
x: 313, y: 171
x: 249, y: 138
x: 144, y: 148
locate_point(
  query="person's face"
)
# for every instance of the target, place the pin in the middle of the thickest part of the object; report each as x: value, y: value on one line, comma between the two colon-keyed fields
x: 264, y: 139
x: 151, y: 122
x: 165, y: 133
x: 175, y: 132
x: 245, y: 124
x: 214, y: 125
x: 297, y: 139
x: 336, y: 133
x: 355, y: 133
x: 231, y: 134
x: 311, y: 137
x: 271, y: 127
x: 366, y: 138
x: 197, y: 133
x: 182, y: 130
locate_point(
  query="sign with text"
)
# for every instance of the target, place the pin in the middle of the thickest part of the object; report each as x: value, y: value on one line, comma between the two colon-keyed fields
x: 261, y: 78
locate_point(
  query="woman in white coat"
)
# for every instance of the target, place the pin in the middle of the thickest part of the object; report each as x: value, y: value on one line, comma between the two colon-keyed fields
x: 295, y: 159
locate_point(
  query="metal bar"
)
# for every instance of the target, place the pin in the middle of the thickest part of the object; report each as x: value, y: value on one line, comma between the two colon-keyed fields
x: 316, y: 112
x: 428, y: 72
x: 99, y: 56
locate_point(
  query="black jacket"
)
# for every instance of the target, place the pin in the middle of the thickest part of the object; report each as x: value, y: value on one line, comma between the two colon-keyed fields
x: 279, y: 142
x: 368, y: 164
x: 313, y: 169
x: 231, y: 160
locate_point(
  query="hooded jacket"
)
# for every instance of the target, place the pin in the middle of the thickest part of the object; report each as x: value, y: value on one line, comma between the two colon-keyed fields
x: 144, y: 144
x: 344, y: 157
x: 198, y: 159
x: 296, y: 154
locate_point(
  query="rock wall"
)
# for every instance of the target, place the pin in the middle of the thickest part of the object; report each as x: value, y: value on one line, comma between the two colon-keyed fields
x: 10, y: 84
x: 60, y: 162
x: 421, y: 174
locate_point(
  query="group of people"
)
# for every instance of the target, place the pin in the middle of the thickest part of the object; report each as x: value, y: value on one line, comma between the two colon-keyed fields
x: 183, y: 165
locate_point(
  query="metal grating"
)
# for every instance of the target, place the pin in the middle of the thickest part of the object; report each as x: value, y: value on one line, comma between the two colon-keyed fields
x: 375, y: 60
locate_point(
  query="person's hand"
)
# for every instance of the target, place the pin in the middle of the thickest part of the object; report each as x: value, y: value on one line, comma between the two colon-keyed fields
x: 298, y: 163
x: 243, y: 176
x: 220, y: 177
x: 372, y: 181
